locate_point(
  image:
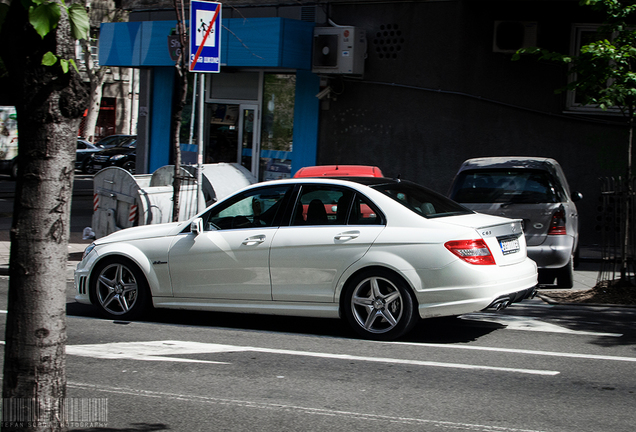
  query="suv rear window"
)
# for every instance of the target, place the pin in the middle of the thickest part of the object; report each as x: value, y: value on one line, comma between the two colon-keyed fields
x: 421, y: 200
x: 506, y: 186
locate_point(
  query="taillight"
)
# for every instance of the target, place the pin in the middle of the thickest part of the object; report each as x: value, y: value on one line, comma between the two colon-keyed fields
x: 557, y: 224
x: 472, y: 251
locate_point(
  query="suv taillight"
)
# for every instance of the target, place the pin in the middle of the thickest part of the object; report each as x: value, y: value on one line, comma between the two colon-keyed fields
x: 472, y: 251
x: 557, y: 224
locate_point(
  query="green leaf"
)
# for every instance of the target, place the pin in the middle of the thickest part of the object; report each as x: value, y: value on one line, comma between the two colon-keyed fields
x: 49, y: 59
x: 64, y: 64
x: 4, y: 8
x: 80, y: 23
x: 44, y: 17
x: 72, y: 61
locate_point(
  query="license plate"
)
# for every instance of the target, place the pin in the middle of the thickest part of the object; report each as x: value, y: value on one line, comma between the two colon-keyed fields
x: 509, y: 246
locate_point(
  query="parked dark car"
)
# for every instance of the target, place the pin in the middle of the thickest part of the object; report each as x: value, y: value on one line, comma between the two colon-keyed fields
x: 115, y: 140
x: 122, y: 155
x: 83, y: 153
x: 535, y: 191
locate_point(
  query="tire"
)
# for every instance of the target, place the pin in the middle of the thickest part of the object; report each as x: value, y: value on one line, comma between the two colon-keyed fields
x: 129, y: 166
x: 88, y: 168
x: 119, y: 289
x: 546, y: 276
x: 85, y: 168
x: 565, y: 275
x: 14, y: 170
x: 379, y: 305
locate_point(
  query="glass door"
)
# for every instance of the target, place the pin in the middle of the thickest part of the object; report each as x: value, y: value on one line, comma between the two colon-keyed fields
x: 248, y: 137
x: 234, y: 132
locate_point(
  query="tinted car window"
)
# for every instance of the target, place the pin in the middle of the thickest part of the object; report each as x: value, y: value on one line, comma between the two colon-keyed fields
x: 254, y: 209
x: 421, y: 200
x: 333, y: 205
x: 507, y: 186
x: 322, y: 205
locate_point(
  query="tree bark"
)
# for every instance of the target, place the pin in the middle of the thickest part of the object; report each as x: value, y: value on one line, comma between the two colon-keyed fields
x: 96, y: 77
x: 49, y: 105
x: 179, y: 101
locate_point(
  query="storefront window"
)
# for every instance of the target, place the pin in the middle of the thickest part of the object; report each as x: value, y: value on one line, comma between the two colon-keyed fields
x: 277, y: 126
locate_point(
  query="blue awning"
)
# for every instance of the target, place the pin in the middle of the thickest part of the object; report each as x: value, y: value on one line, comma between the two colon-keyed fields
x: 254, y: 42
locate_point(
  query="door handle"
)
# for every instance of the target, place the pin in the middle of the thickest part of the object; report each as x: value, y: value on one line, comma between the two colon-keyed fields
x: 254, y: 240
x: 348, y: 235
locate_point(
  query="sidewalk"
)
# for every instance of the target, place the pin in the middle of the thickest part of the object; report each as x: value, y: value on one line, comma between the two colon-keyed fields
x: 76, y: 248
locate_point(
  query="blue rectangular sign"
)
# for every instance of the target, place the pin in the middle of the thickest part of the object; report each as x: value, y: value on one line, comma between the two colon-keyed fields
x: 205, y: 36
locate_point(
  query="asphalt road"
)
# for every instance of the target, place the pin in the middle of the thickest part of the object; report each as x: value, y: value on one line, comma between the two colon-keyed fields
x: 533, y: 367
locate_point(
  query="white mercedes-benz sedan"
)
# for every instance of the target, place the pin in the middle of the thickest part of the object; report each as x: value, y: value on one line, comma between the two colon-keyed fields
x: 377, y: 252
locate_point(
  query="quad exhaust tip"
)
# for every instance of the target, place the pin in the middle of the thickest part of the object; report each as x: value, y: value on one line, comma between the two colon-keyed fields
x: 500, y: 304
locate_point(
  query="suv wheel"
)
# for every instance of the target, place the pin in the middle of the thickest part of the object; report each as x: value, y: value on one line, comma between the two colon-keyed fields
x: 565, y: 275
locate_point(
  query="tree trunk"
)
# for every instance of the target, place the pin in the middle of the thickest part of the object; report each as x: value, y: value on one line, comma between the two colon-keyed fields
x: 626, y: 246
x: 49, y: 106
x: 96, y: 77
x: 93, y: 111
x: 179, y: 101
x: 95, y: 73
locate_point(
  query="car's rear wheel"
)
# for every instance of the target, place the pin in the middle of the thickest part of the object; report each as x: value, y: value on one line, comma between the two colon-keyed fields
x: 565, y: 275
x: 119, y: 289
x: 379, y: 305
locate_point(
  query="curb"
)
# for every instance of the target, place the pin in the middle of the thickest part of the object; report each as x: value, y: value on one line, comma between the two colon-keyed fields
x: 551, y: 301
x: 70, y: 265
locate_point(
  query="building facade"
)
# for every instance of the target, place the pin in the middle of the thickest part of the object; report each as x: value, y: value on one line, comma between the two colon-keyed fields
x: 437, y: 86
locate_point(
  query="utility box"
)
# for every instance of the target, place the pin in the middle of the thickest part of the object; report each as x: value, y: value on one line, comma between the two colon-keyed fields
x: 339, y: 50
x: 122, y: 200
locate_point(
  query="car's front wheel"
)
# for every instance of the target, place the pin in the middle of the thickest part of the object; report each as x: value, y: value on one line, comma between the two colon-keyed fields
x: 88, y: 168
x: 119, y: 289
x: 129, y: 166
x: 379, y: 305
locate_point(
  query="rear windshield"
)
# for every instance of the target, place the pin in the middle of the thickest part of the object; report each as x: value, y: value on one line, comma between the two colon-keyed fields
x: 421, y: 200
x: 506, y: 186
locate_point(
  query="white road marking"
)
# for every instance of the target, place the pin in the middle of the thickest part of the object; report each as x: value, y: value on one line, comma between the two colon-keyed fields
x: 150, y: 351
x: 520, y: 351
x: 529, y: 324
x: 160, y: 350
x: 293, y: 408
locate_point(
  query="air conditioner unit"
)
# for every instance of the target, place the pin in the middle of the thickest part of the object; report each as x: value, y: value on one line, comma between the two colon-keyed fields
x: 513, y: 35
x: 339, y: 50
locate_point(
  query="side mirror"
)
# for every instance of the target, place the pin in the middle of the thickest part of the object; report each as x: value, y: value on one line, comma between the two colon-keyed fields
x: 196, y: 227
x: 577, y: 196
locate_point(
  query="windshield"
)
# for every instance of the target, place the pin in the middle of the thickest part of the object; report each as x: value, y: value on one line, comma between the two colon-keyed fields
x: 506, y: 186
x: 421, y: 200
x: 128, y: 144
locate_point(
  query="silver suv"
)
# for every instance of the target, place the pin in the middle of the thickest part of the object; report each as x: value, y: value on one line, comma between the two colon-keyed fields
x: 534, y: 190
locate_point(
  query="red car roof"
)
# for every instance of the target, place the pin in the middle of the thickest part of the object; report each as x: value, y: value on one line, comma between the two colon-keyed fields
x: 339, y: 171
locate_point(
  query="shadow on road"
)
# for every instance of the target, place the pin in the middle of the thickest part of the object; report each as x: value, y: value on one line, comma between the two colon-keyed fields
x: 434, y: 330
x: 446, y: 330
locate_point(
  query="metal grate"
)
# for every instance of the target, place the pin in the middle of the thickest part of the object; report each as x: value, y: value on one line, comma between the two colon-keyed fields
x: 388, y: 42
x: 81, y: 289
x: 618, y: 228
x: 308, y: 13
